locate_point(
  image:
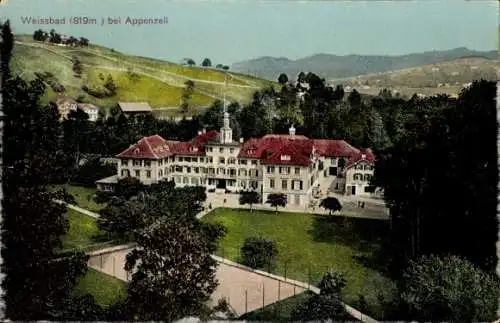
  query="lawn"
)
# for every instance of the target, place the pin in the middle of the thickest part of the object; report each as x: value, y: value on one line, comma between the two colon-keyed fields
x: 83, y: 196
x: 277, y: 312
x: 106, y: 289
x: 83, y: 232
x: 309, y: 245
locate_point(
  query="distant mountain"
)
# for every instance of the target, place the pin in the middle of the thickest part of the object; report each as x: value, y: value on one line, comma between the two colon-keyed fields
x: 333, y: 66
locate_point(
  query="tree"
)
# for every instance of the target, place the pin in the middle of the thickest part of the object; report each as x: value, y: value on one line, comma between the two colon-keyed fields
x: 77, y: 67
x: 187, y: 93
x: 93, y: 170
x: 128, y: 187
x: 331, y: 204
x: 427, y: 157
x: 277, y: 199
x: 206, y: 62
x: 219, y: 66
x: 258, y: 252
x: 328, y: 304
x: 175, y: 274
x: 38, y: 279
x: 110, y: 85
x: 301, y: 77
x: 225, y: 67
x: 122, y: 218
x: 282, y: 79
x: 449, y: 289
x: 250, y: 198
x: 190, y: 62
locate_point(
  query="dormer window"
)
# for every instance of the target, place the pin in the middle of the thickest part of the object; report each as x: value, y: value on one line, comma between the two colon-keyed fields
x: 194, y: 149
x: 137, y: 151
x: 285, y: 157
x: 251, y: 151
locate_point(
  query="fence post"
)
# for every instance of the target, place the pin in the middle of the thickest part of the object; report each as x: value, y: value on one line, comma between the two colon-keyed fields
x: 293, y: 289
x: 114, y: 274
x: 309, y: 277
x: 279, y: 290
x: 101, y: 262
x: 246, y: 301
x: 263, y: 291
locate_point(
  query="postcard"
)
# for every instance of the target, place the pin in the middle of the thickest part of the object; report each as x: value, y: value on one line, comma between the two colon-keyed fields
x: 249, y: 160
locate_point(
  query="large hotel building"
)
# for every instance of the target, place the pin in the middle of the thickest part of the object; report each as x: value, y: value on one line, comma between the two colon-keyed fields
x: 290, y: 164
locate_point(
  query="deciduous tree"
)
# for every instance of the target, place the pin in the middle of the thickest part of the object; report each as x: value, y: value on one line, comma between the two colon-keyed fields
x: 331, y: 204
x: 249, y: 197
x: 277, y: 199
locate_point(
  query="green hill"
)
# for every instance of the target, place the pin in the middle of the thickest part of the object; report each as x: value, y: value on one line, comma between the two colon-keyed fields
x: 158, y: 82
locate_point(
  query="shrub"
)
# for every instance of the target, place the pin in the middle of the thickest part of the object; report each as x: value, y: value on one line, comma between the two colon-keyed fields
x: 258, y: 252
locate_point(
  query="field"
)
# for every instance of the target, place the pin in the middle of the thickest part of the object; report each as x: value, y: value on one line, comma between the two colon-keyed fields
x: 83, y: 196
x: 310, y: 245
x: 83, y: 233
x: 446, y: 77
x: 106, y: 289
x: 277, y: 312
x: 158, y: 82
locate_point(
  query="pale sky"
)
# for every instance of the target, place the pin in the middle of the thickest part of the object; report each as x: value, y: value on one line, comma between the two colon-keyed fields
x: 231, y: 31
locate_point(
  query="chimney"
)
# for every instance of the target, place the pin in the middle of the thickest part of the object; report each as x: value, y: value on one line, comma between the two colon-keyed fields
x: 363, y: 156
x: 241, y: 140
x: 291, y: 131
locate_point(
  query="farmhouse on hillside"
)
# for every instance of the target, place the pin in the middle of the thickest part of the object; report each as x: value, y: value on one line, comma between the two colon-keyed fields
x: 290, y: 164
x: 65, y: 105
x: 133, y: 108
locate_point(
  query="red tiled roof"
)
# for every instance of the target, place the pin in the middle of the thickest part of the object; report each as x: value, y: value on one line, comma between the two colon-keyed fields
x: 363, y: 155
x: 152, y: 147
x: 271, y: 149
x: 156, y: 147
x: 334, y: 148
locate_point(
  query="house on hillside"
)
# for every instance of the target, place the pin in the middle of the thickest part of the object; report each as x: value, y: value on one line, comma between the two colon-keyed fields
x: 133, y: 108
x: 91, y: 110
x: 276, y: 163
x: 65, y: 105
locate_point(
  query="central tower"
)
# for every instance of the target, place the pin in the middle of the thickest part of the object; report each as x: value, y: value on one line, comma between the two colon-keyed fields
x: 226, y: 133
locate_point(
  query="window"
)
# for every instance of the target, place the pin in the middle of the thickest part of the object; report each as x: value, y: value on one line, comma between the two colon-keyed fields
x: 180, y: 159
x: 254, y: 162
x: 148, y: 174
x: 222, y: 160
x: 160, y: 162
x: 178, y: 169
x: 296, y: 185
x: 221, y: 150
x: 124, y: 162
x: 270, y: 169
x: 231, y: 160
x: 254, y: 184
x: 202, y: 160
x: 288, y: 170
x: 284, y: 184
x: 358, y: 177
x: 196, y: 170
x: 137, y: 162
x: 369, y: 189
x: 243, y: 172
x: 271, y: 183
x: 166, y: 171
x: 188, y: 170
x: 185, y: 180
x: 160, y: 173
x: 285, y: 157
x: 232, y: 172
x: 367, y: 177
x: 281, y: 170
x: 368, y: 167
x: 137, y: 173
x: 297, y: 170
x: 147, y: 163
x: 231, y: 150
x: 125, y: 172
x: 242, y: 162
x: 210, y: 149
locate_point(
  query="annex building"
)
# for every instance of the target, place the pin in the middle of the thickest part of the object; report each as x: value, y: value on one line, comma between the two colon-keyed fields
x: 290, y: 164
